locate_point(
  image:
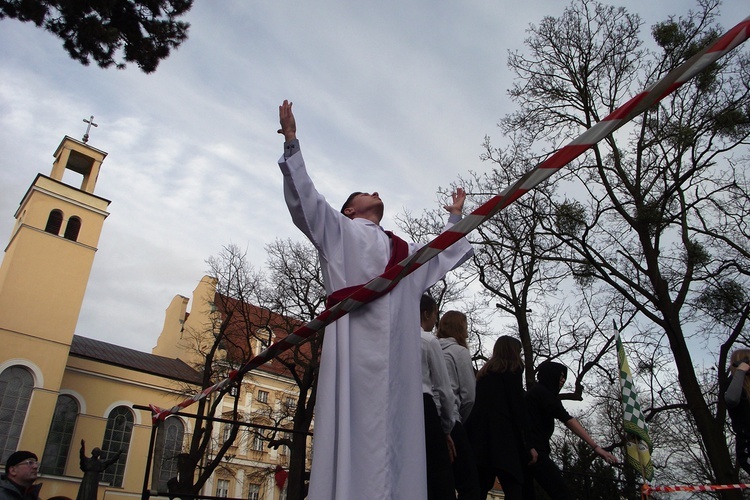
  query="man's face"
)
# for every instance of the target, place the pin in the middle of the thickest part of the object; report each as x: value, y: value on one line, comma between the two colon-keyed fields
x: 365, y: 203
x: 24, y: 473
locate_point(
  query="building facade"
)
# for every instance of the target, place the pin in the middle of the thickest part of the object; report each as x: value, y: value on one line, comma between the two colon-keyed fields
x: 256, y: 463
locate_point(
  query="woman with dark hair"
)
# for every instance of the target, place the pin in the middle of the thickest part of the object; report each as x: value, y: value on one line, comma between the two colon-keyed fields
x: 498, y: 424
x: 452, y: 334
x: 544, y: 406
x: 737, y: 398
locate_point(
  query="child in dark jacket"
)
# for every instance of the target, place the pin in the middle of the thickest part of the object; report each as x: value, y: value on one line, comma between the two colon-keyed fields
x: 544, y: 406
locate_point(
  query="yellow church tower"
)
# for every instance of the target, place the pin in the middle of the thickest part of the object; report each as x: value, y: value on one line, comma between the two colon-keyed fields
x: 43, y: 279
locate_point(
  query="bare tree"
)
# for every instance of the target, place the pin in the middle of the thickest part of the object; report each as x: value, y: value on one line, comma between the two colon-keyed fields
x: 651, y: 218
x: 249, y: 310
x: 297, y: 293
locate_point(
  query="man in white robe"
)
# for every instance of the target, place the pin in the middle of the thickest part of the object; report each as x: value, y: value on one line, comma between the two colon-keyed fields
x: 369, y: 429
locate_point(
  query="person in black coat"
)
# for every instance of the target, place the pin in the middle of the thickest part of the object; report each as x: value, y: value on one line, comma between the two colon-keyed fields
x: 737, y: 398
x: 497, y: 424
x: 544, y: 406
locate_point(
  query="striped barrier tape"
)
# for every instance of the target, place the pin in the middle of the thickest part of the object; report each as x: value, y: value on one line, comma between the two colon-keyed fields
x: 648, y: 489
x: 384, y: 283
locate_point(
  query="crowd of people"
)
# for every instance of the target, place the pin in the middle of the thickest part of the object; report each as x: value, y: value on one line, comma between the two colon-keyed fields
x: 499, y: 430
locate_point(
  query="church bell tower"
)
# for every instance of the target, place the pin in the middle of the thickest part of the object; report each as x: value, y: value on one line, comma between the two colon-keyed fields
x: 46, y: 268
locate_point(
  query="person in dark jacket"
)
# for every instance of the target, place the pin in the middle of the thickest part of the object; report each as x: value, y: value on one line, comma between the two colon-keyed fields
x: 498, y: 425
x: 21, y: 471
x: 544, y: 406
x: 737, y: 398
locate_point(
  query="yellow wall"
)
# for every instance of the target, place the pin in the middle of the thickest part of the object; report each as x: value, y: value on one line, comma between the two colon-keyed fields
x: 100, y: 387
x: 46, y: 282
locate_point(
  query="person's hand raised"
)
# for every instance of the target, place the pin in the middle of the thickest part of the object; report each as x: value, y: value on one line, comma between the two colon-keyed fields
x: 459, y: 196
x: 286, y: 119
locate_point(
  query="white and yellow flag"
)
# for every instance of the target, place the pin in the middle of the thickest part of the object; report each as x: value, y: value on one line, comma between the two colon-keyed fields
x: 639, y: 446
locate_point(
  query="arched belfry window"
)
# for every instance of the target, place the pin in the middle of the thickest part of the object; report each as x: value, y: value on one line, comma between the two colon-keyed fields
x: 16, y: 385
x: 73, y: 228
x: 54, y: 222
x: 60, y: 435
x: 117, y: 437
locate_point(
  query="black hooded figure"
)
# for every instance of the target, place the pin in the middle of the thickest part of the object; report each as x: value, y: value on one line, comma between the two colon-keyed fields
x: 544, y: 406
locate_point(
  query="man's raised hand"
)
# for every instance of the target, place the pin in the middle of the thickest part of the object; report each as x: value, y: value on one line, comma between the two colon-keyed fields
x: 286, y: 119
x: 459, y: 196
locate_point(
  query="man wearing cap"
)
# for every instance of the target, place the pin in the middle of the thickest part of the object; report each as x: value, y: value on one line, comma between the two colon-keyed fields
x: 21, y: 470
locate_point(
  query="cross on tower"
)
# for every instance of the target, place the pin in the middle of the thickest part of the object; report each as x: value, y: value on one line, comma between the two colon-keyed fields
x: 91, y: 123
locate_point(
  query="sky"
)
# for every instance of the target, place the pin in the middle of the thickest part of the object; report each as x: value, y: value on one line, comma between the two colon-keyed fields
x: 389, y: 96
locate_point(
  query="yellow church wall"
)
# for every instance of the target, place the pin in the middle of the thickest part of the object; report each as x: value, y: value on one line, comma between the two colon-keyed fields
x: 186, y: 337
x: 99, y: 388
x: 49, y: 357
x: 167, y: 344
x: 73, y: 155
x: 44, y: 272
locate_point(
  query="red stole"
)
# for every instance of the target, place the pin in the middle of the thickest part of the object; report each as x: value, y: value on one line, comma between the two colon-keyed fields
x: 399, y: 251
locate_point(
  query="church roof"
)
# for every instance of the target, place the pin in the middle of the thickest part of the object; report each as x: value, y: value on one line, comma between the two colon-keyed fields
x: 116, y: 355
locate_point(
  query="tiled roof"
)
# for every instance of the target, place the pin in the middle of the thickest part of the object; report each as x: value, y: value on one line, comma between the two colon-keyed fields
x: 123, y: 357
x: 248, y: 318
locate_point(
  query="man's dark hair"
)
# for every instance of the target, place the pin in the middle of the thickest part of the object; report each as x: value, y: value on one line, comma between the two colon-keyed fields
x: 427, y: 304
x: 349, y: 200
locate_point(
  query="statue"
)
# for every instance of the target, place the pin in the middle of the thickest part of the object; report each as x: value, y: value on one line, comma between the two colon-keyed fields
x: 93, y: 467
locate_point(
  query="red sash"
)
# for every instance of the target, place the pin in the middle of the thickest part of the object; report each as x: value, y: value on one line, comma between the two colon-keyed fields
x: 399, y: 251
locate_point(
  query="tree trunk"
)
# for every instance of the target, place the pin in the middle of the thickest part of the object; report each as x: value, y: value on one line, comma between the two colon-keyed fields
x: 711, y: 431
x: 296, y: 482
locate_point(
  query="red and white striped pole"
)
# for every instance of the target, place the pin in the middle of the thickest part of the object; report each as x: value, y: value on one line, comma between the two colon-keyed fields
x: 384, y: 283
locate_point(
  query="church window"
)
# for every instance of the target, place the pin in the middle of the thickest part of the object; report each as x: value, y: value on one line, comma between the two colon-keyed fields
x: 117, y: 437
x: 169, y: 441
x: 73, y: 228
x: 16, y: 384
x: 60, y: 435
x: 54, y: 222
